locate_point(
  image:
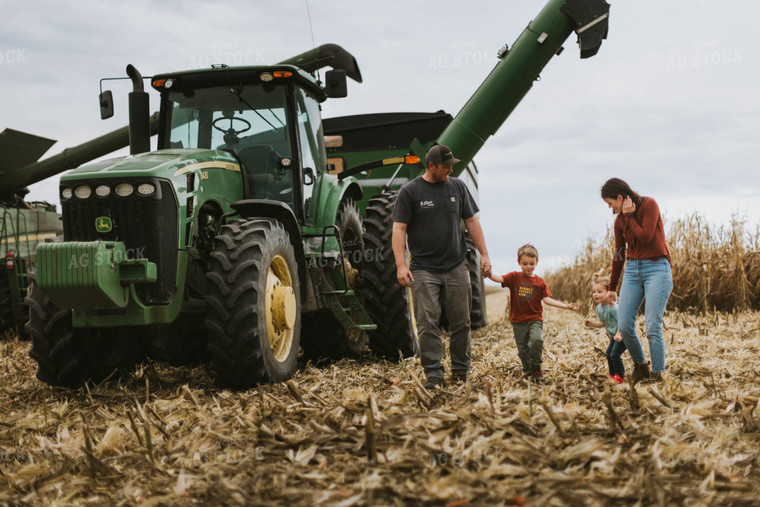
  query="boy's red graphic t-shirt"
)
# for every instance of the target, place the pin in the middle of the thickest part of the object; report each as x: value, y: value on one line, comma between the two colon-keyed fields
x: 526, y: 294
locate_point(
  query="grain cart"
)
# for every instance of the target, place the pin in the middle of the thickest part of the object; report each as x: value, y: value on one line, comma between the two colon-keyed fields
x: 237, y: 237
x: 24, y: 224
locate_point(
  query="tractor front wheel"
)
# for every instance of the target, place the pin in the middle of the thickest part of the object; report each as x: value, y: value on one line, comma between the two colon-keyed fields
x: 254, y: 304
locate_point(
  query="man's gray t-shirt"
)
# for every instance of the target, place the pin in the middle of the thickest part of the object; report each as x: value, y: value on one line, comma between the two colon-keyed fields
x: 432, y: 212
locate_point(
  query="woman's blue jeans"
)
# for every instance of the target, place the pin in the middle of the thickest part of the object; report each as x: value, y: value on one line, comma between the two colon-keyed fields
x: 651, y: 280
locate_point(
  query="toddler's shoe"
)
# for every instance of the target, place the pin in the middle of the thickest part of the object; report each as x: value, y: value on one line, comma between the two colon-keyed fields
x: 617, y: 378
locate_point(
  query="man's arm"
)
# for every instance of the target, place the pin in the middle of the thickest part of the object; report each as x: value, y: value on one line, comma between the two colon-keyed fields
x: 403, y: 273
x: 476, y: 233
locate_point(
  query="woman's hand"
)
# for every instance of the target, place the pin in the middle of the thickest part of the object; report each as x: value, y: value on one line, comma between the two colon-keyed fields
x: 628, y: 205
x: 618, y: 337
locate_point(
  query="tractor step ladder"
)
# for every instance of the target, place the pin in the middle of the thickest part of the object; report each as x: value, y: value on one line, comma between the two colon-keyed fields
x: 343, y: 303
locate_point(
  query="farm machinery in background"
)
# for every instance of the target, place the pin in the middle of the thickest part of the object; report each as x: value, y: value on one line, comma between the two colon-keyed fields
x: 256, y: 229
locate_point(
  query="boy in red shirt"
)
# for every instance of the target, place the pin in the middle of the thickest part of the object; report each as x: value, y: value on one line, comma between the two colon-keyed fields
x: 527, y: 292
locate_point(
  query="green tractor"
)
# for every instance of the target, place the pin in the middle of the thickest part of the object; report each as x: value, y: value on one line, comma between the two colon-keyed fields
x: 238, y: 240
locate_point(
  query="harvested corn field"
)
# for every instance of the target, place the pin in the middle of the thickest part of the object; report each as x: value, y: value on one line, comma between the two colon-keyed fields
x: 366, y: 433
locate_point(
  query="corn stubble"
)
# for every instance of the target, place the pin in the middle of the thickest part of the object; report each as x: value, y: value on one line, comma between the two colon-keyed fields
x: 357, y: 433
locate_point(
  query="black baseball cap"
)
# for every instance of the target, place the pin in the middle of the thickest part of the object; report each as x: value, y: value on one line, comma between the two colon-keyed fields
x: 440, y: 154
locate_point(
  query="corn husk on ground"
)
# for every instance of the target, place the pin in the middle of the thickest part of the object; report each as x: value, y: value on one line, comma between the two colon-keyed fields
x: 367, y: 433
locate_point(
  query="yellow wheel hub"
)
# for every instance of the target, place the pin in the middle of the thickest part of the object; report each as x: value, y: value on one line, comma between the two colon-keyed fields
x: 281, y: 308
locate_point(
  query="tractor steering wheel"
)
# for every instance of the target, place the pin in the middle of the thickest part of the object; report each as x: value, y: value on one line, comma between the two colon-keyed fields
x: 231, y: 134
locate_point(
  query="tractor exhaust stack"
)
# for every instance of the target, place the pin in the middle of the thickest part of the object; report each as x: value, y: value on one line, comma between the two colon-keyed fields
x: 139, y: 114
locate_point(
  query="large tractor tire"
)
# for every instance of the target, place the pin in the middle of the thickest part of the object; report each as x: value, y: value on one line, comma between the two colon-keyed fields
x: 387, y: 302
x: 322, y: 335
x: 68, y: 356
x: 181, y: 343
x: 478, y: 314
x: 254, y: 304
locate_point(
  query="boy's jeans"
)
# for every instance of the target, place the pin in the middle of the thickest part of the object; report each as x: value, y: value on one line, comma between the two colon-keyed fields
x: 653, y: 280
x: 450, y: 290
x: 530, y: 343
x: 615, y: 362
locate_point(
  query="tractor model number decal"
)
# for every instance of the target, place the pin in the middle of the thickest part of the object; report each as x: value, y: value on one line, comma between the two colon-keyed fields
x: 103, y: 224
x: 226, y: 166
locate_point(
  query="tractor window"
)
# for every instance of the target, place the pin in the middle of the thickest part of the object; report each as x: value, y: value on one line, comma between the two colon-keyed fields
x: 216, y: 118
x: 249, y: 122
x: 312, y: 144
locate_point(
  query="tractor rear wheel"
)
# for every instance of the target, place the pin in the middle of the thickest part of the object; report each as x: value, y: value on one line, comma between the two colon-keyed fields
x: 388, y: 303
x: 68, y: 356
x: 254, y: 304
x: 478, y: 316
x: 322, y: 335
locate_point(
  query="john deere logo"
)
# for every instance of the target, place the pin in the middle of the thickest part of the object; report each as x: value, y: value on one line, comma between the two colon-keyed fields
x: 103, y: 224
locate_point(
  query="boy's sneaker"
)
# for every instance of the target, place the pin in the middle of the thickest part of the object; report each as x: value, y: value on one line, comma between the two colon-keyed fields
x: 537, y: 377
x: 640, y: 372
x: 459, y: 377
x: 617, y: 378
x: 433, y: 383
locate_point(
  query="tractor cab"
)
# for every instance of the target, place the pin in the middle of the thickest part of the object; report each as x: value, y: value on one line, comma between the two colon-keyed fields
x: 267, y: 117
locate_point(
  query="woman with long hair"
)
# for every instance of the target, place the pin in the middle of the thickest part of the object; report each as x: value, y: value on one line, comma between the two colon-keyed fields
x: 639, y: 238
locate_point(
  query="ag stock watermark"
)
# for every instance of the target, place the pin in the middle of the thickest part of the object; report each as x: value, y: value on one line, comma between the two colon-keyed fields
x: 84, y: 260
x: 464, y: 53
x: 12, y: 56
x: 702, y: 53
x: 229, y: 52
x: 355, y: 256
x: 464, y: 458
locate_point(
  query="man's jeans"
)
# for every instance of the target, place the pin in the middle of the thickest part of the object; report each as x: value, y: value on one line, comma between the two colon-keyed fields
x: 653, y: 280
x: 451, y: 291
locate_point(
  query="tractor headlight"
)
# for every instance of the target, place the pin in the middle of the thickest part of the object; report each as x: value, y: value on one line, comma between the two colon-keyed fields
x: 103, y: 191
x: 124, y: 189
x: 83, y: 191
x: 146, y: 189
x: 66, y: 193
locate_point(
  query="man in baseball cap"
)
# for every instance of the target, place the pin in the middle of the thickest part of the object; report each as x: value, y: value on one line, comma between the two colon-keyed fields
x: 427, y: 218
x: 440, y: 154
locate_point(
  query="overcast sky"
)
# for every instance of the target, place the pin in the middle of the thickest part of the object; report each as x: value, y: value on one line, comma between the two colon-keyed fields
x: 669, y: 104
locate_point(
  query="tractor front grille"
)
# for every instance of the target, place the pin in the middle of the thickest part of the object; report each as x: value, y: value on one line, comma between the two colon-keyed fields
x: 148, y: 226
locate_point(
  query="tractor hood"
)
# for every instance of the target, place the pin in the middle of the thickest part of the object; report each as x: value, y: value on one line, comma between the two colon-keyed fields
x: 162, y: 164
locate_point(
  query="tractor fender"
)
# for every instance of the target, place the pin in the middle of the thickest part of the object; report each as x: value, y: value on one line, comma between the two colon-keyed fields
x: 336, y: 193
x: 265, y: 208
